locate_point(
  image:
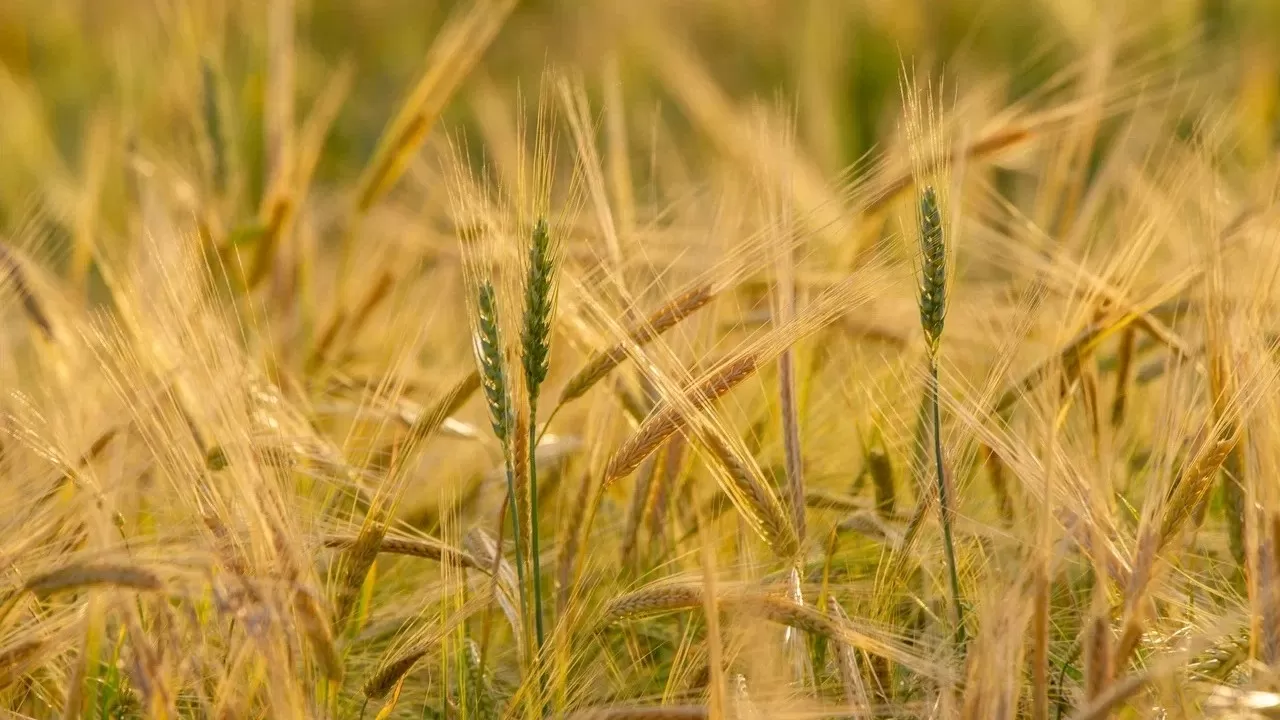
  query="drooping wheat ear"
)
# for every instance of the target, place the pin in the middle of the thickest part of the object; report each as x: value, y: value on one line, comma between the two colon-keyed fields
x: 385, y: 678
x: 933, y: 270
x: 493, y: 366
x: 661, y: 320
x: 1195, y: 483
x: 70, y: 577
x: 753, y: 497
x: 539, y: 304
x: 650, y: 601
x: 76, y: 576
x: 666, y: 419
x: 428, y: 548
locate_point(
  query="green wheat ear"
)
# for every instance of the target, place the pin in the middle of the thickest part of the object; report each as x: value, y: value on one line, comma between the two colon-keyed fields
x: 539, y: 300
x: 933, y: 315
x: 933, y: 271
x: 493, y: 374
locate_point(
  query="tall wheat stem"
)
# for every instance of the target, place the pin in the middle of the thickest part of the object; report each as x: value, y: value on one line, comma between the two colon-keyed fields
x: 944, y: 502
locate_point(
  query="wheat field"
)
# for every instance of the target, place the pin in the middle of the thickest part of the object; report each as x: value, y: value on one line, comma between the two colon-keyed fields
x: 665, y: 359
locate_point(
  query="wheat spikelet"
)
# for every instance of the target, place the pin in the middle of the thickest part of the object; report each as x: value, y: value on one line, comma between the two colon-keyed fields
x: 479, y: 689
x: 71, y: 577
x: 752, y: 496
x: 658, y: 322
x: 316, y: 628
x: 428, y: 548
x: 357, y: 559
x: 666, y: 420
x: 654, y: 600
x: 851, y: 684
x: 491, y: 355
x: 539, y: 303
x: 386, y: 677
x: 933, y: 271
x: 1194, y: 485
x: 1217, y: 661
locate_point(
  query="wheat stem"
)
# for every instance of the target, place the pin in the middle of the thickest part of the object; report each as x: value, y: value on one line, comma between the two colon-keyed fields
x: 944, y: 503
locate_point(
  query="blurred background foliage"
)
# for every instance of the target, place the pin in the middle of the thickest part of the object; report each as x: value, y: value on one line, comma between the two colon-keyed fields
x: 85, y: 83
x: 140, y: 62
